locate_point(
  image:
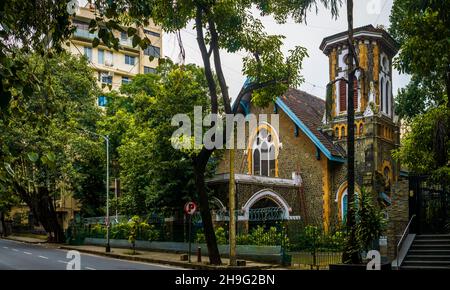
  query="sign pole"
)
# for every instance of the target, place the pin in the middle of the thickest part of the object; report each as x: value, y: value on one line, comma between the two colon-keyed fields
x: 190, y: 222
x: 189, y: 209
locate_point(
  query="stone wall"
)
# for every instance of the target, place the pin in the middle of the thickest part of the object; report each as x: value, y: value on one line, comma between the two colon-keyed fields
x: 398, y: 215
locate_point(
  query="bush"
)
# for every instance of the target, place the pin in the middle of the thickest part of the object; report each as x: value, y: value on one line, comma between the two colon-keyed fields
x: 220, y: 236
x: 314, y: 239
x: 259, y: 236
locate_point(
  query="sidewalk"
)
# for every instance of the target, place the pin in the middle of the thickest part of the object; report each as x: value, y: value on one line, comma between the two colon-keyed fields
x: 172, y: 259
x: 29, y: 240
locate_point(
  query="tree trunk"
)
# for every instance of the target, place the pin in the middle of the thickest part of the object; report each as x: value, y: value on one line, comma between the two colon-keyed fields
x: 200, y: 163
x: 351, y: 252
x: 41, y: 205
x: 447, y: 86
x: 2, y: 220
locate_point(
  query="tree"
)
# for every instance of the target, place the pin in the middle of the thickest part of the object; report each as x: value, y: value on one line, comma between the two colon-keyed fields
x: 42, y: 151
x: 422, y: 28
x: 153, y: 174
x: 418, y: 152
x: 420, y: 95
x: 227, y: 25
x: 28, y: 26
x: 230, y: 26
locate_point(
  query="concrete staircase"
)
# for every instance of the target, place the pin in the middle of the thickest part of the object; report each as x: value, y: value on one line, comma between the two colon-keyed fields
x: 428, y: 252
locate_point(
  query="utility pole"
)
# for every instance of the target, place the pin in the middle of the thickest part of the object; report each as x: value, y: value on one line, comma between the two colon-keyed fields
x: 232, y: 206
x: 350, y: 255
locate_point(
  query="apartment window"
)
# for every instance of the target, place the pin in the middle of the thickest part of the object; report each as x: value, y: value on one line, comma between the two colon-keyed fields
x: 88, y: 53
x: 149, y: 70
x: 130, y: 60
x: 125, y: 80
x: 149, y: 32
x: 102, y: 101
x: 153, y: 51
x: 108, y: 58
x: 101, y: 56
x: 123, y: 35
x: 105, y: 78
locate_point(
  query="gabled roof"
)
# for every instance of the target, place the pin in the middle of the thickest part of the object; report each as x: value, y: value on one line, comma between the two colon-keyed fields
x: 307, y: 111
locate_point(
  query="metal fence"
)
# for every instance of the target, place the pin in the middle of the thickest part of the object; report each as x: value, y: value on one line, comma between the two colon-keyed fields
x: 319, y: 260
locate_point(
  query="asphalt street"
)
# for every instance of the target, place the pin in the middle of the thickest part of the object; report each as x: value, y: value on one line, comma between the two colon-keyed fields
x: 22, y: 256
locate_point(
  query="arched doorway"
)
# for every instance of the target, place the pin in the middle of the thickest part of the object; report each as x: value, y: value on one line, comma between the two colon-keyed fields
x: 265, y: 208
x: 265, y: 212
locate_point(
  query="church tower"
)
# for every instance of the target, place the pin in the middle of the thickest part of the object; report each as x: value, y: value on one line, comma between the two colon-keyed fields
x: 377, y: 130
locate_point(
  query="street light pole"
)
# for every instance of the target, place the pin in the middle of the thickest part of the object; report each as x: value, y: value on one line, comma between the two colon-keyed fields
x: 106, y: 138
x: 108, y: 247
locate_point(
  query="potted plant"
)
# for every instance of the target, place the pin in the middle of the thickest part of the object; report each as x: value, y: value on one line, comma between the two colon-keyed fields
x: 369, y: 226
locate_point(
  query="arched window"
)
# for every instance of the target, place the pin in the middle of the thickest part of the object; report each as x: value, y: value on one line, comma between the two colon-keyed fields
x: 361, y: 129
x: 355, y: 93
x: 342, y: 131
x: 387, y: 173
x: 385, y: 64
x: 264, y: 154
x: 344, y: 204
x: 382, y: 94
x: 344, y: 207
x: 387, y: 101
x: 336, y: 132
x: 342, y: 96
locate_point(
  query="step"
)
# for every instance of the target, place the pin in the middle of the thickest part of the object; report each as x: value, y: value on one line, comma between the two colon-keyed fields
x: 433, y: 246
x: 427, y: 258
x: 424, y: 268
x: 432, y: 237
x: 426, y: 263
x: 428, y: 252
x: 432, y: 241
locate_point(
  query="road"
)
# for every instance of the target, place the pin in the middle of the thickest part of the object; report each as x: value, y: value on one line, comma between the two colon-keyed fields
x: 22, y: 256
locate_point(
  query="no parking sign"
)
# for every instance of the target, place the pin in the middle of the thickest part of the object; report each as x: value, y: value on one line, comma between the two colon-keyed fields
x: 190, y: 208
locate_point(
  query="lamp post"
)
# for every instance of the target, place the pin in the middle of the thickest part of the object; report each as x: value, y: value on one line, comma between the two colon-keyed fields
x: 106, y: 138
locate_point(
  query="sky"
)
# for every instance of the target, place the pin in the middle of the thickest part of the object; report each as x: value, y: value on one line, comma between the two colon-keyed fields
x: 319, y: 26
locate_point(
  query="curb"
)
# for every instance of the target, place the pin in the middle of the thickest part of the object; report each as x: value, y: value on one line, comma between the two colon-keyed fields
x: 24, y: 241
x: 165, y: 262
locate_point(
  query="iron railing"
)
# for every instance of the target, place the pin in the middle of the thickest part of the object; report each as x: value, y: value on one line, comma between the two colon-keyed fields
x: 402, y: 239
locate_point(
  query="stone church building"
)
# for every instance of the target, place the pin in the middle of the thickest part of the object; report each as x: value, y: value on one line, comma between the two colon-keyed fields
x: 306, y: 179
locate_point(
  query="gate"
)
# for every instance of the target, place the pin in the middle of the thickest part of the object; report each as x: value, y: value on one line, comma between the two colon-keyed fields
x: 430, y: 202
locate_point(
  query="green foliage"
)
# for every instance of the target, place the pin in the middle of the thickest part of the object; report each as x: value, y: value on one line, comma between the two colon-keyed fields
x: 422, y: 28
x: 152, y: 172
x: 418, y: 145
x: 418, y: 96
x: 260, y: 236
x: 370, y: 224
x: 370, y: 221
x: 43, y: 154
x: 313, y: 239
x: 220, y: 236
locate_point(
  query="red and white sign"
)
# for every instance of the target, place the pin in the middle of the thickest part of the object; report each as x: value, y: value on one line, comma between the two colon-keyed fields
x: 190, y: 208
